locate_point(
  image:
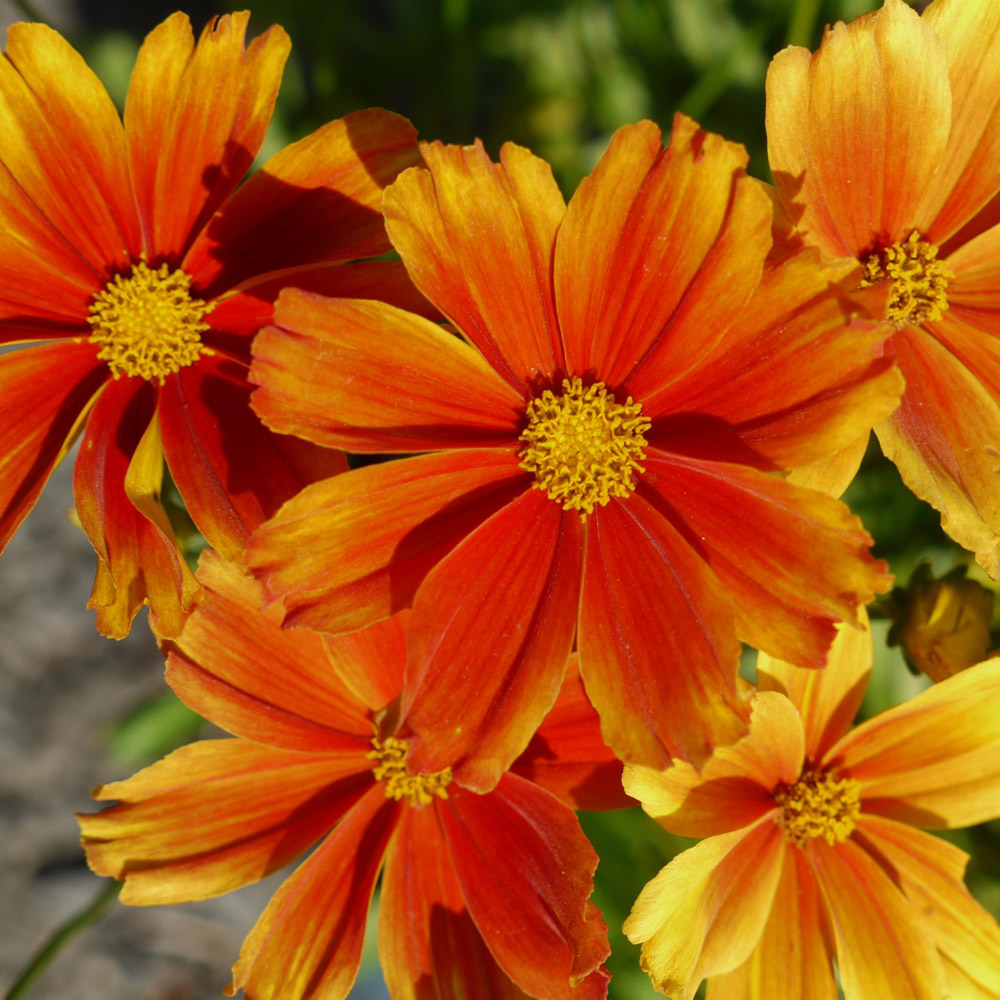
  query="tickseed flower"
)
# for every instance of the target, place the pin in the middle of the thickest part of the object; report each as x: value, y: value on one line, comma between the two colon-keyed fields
x: 813, y: 856
x: 476, y: 889
x: 126, y: 246
x: 603, y: 448
x: 884, y: 146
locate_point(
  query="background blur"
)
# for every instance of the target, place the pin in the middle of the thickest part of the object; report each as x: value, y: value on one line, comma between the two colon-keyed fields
x: 76, y: 710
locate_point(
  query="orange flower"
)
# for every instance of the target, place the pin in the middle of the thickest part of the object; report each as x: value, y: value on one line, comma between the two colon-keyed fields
x: 128, y: 248
x: 477, y: 890
x: 604, y: 448
x: 884, y: 150
x: 812, y: 854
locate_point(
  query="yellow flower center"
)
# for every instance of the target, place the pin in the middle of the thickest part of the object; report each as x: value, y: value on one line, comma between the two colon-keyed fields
x: 819, y: 805
x: 417, y: 789
x: 918, y: 281
x: 582, y: 446
x: 148, y: 324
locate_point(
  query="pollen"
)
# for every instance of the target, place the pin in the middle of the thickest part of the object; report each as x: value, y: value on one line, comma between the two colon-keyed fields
x: 918, y: 281
x: 819, y: 805
x: 147, y: 323
x: 418, y: 789
x: 582, y: 446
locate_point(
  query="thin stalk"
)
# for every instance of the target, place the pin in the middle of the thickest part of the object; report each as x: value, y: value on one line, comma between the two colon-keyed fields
x: 803, y: 23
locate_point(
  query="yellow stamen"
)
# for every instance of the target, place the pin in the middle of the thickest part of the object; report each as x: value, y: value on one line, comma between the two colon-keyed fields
x: 417, y: 789
x: 147, y: 323
x: 819, y: 805
x: 582, y: 446
x: 918, y: 281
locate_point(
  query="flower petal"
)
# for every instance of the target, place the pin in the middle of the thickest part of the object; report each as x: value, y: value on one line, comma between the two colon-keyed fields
x: 934, y: 760
x: 195, y: 118
x: 368, y: 377
x: 232, y: 472
x: 657, y: 248
x: 974, y: 302
x: 807, y: 567
x: 352, y: 550
x: 429, y: 948
x: 236, y: 666
x: 307, y: 943
x: 317, y: 200
x: 857, y: 131
x: 477, y: 239
x: 116, y: 483
x: 736, y: 786
x: 882, y: 945
x: 658, y: 650
x: 217, y: 815
x: 526, y: 872
x: 492, y: 628
x: 46, y: 391
x: 703, y: 914
x: 568, y: 755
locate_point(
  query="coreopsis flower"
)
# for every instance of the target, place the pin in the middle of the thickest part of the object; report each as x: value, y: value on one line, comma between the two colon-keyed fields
x: 482, y: 895
x: 884, y: 146
x: 813, y: 854
x: 127, y: 248
x: 604, y: 447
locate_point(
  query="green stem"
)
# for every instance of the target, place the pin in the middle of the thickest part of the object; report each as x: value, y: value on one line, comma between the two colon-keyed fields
x: 41, y: 959
x: 803, y: 23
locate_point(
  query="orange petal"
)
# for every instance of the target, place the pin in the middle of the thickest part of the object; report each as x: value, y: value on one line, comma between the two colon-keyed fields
x: 62, y: 141
x: 526, y: 872
x: 352, y: 550
x: 658, y: 650
x: 703, y: 914
x: 235, y: 665
x: 806, y: 567
x: 568, y: 755
x: 857, y: 131
x: 307, y: 943
x: 477, y: 240
x: 231, y: 471
x: 492, y: 628
x: 428, y: 946
x: 969, y: 173
x: 45, y: 393
x: 929, y: 871
x: 829, y: 698
x: 319, y: 199
x: 943, y: 439
x: 368, y: 377
x: 974, y: 301
x: 883, y: 947
x: 832, y: 475
x: 656, y: 249
x: 195, y: 118
x: 217, y: 815
x: 934, y: 760
x: 117, y: 483
x: 736, y: 786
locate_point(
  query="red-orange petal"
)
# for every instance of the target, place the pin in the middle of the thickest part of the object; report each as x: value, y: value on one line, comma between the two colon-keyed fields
x: 195, y: 118
x: 217, y: 815
x: 231, y: 471
x: 491, y: 631
x: 317, y: 200
x: 568, y: 755
x: 526, y: 872
x: 352, y: 550
x: 428, y: 946
x: 368, y: 377
x: 307, y: 943
x: 45, y: 392
x: 658, y: 647
x: 857, y: 130
x: 657, y: 254
x: 477, y: 240
x: 806, y: 567
x: 974, y: 298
